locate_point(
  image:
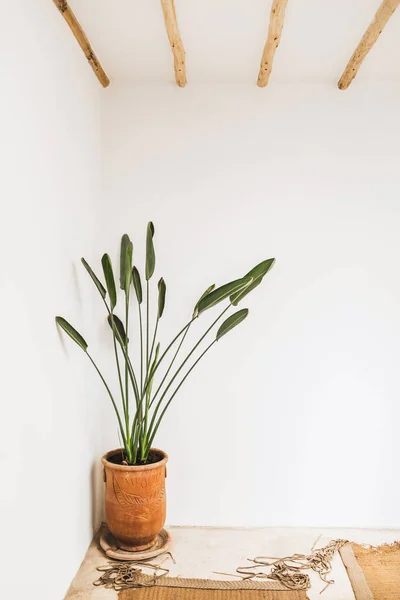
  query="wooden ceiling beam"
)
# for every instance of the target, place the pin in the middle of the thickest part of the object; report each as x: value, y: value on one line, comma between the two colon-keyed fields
x: 369, y: 38
x: 171, y: 24
x: 82, y: 40
x: 276, y: 21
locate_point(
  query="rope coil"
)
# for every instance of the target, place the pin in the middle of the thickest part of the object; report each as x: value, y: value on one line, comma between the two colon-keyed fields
x: 127, y: 575
x: 289, y: 570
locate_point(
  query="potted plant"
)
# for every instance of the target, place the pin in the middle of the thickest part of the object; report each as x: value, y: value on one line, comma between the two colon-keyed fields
x: 135, y: 473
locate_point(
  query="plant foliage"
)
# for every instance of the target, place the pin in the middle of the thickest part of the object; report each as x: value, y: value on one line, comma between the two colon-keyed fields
x: 147, y: 390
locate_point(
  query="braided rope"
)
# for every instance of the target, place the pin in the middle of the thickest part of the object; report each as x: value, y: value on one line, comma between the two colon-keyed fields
x: 126, y: 575
x: 289, y: 570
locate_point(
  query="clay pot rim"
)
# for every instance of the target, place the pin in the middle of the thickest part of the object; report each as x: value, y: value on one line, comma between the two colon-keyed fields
x: 156, y: 465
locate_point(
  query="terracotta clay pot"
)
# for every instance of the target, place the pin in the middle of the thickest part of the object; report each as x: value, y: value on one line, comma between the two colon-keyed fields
x: 135, y: 500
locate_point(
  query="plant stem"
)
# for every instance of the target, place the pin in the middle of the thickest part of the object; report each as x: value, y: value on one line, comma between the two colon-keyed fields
x: 153, y: 342
x: 172, y: 362
x: 146, y: 383
x: 183, y: 364
x: 131, y: 374
x: 147, y: 326
x: 147, y: 379
x: 141, y: 349
x: 134, y: 438
x: 116, y: 359
x: 111, y: 397
x: 153, y: 433
x: 119, y: 372
x: 126, y: 367
x: 136, y: 420
x: 150, y: 378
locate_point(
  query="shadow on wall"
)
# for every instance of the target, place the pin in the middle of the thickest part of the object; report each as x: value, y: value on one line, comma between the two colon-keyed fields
x: 97, y: 500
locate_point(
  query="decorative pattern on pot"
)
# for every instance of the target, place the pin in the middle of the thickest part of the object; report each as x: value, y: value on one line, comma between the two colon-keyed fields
x: 141, y: 506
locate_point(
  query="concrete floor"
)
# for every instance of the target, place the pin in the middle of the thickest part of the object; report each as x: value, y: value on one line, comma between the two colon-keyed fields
x: 200, y: 551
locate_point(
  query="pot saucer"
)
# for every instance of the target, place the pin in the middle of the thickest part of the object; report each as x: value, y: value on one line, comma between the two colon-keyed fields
x: 110, y: 546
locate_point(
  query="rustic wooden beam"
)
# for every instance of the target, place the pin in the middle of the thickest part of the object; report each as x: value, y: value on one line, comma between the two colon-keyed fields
x: 171, y: 23
x: 82, y: 40
x: 276, y: 20
x: 369, y: 38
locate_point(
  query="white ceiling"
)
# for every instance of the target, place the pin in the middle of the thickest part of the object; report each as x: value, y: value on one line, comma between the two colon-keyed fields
x: 224, y: 39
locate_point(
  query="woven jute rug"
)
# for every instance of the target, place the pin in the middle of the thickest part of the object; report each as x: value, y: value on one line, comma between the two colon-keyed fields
x: 374, y: 572
x: 191, y: 594
x: 174, y: 588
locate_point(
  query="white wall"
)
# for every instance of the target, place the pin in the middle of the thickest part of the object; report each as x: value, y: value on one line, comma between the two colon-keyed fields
x: 49, y: 428
x: 294, y: 418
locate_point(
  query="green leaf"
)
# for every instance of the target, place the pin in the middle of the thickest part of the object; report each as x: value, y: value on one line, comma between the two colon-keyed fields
x: 196, y: 308
x: 125, y: 241
x: 128, y: 267
x: 161, y: 297
x: 137, y: 285
x: 118, y: 328
x: 150, y: 254
x: 96, y: 281
x: 109, y: 277
x: 257, y: 274
x: 72, y: 332
x: 221, y: 293
x: 232, y: 321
